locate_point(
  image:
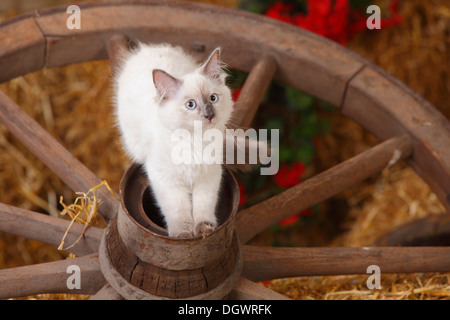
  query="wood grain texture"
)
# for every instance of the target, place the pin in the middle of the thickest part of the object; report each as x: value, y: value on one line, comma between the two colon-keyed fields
x: 430, y: 231
x: 386, y: 107
x: 251, y: 221
x: 244, y: 38
x: 265, y: 263
x: 141, y: 263
x: 58, y: 159
x: 160, y: 250
x: 136, y: 280
x: 37, y: 226
x: 255, y: 86
x: 51, y: 277
x: 174, y: 284
x: 22, y: 47
x: 249, y: 290
x: 106, y: 293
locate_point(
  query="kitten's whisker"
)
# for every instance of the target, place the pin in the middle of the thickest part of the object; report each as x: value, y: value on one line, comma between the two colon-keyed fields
x: 237, y: 126
x: 233, y: 118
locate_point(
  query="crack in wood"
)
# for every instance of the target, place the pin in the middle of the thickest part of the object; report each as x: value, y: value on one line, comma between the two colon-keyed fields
x: 347, y: 84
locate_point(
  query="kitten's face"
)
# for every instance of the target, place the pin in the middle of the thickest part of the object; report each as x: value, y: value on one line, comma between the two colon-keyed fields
x: 198, y: 99
x: 200, y: 96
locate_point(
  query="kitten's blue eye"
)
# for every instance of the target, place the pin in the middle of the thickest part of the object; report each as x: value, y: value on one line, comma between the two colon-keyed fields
x: 191, y: 104
x: 213, y: 98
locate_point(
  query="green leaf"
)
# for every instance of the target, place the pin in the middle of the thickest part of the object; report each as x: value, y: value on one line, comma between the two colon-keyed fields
x: 286, y: 155
x: 309, y: 131
x: 276, y: 123
x: 325, y: 106
x: 309, y: 118
x: 306, y: 153
x: 299, y: 100
x: 255, y: 6
x: 325, y: 126
x: 303, y: 131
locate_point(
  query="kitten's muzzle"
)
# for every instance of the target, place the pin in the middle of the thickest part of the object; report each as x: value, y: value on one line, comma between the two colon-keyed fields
x: 208, y: 112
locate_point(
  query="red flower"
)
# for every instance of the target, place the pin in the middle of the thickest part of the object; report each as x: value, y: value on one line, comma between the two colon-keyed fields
x: 288, y: 176
x: 289, y: 221
x: 393, y: 6
x: 293, y: 219
x: 392, y: 21
x: 327, y: 18
x: 242, y: 194
x: 333, y: 19
x: 358, y: 23
x: 266, y: 282
x: 235, y: 94
x: 280, y: 11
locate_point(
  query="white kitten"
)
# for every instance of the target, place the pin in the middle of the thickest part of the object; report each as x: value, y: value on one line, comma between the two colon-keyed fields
x: 160, y: 89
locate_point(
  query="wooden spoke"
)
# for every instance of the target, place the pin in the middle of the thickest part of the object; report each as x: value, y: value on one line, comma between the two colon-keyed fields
x: 386, y: 107
x: 107, y: 293
x: 53, y: 154
x: 51, y: 277
x: 257, y: 218
x: 248, y: 290
x: 37, y: 226
x: 429, y: 231
x: 26, y: 53
x: 264, y: 263
x: 253, y: 91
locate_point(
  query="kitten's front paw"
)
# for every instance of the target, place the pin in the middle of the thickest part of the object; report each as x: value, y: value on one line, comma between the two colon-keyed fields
x: 204, y: 228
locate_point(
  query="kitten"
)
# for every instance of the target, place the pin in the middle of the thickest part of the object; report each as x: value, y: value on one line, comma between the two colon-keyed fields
x: 160, y: 89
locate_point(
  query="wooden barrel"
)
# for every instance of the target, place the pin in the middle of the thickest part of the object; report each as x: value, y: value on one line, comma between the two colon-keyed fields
x: 141, y: 261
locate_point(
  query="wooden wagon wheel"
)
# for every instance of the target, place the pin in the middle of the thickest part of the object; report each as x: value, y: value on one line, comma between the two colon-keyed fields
x: 409, y: 128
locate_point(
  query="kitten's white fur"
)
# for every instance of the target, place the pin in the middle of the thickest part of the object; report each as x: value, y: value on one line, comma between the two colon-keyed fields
x: 186, y: 193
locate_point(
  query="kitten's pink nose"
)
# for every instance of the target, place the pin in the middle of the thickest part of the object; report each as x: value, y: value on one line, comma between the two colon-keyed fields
x: 208, y: 113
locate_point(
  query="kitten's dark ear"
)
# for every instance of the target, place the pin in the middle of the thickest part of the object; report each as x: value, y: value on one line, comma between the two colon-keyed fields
x: 212, y: 67
x: 166, y: 85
